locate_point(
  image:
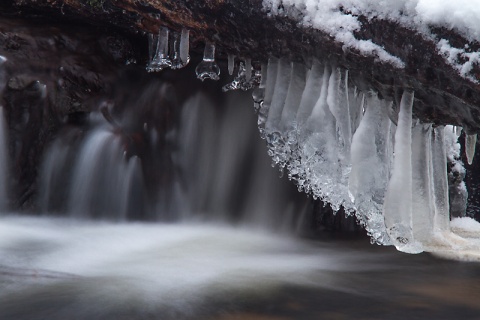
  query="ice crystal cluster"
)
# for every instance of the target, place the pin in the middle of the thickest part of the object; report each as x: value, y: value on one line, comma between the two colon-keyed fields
x: 353, y: 150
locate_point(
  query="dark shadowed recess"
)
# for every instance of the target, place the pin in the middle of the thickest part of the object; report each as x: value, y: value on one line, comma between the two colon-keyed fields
x: 85, y: 69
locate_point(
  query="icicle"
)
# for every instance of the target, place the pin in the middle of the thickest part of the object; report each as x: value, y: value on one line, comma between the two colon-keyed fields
x: 279, y: 95
x: 158, y: 51
x: 370, y: 157
x: 338, y: 104
x: 398, y: 199
x: 294, y: 96
x: 208, y: 68
x: 457, y: 189
x: 441, y: 221
x: 457, y: 130
x: 185, y: 46
x: 270, y: 83
x: 311, y: 93
x: 422, y: 185
x: 274, y: 136
x: 440, y: 180
x: 180, y: 47
x: 152, y: 46
x: 319, y: 150
x: 248, y: 69
x: 470, y: 143
x: 231, y: 63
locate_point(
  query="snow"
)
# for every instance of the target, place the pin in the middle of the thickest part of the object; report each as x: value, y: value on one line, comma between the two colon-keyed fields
x: 466, y: 224
x: 339, y: 19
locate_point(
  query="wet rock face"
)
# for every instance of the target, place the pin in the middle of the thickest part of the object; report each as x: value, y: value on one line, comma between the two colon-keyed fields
x: 53, y: 75
x: 244, y: 28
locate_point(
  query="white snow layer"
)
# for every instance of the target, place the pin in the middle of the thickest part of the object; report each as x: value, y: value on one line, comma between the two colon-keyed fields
x: 350, y: 149
x: 466, y: 224
x: 338, y: 18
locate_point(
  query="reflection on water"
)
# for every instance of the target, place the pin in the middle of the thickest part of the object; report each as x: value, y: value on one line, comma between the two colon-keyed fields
x: 67, y: 269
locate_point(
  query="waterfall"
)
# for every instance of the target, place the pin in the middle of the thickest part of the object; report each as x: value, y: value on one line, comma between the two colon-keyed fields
x: 209, y: 166
x: 4, y: 154
x: 4, y: 163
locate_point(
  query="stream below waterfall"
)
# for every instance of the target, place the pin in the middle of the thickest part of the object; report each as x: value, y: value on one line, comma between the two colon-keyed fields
x: 161, y: 205
x: 55, y: 268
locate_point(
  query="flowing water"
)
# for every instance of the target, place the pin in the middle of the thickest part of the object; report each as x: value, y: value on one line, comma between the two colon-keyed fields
x: 141, y: 219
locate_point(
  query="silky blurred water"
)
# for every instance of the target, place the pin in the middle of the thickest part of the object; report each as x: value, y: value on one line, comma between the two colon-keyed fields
x: 53, y: 268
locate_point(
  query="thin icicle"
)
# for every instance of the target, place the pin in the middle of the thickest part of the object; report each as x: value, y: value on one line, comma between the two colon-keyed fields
x: 180, y: 48
x: 440, y: 180
x: 470, y: 143
x: 338, y: 104
x: 231, y: 63
x: 185, y: 46
x: 270, y: 83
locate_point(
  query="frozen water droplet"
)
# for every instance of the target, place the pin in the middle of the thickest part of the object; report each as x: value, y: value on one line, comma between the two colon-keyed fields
x: 158, y: 51
x: 231, y: 63
x: 208, y: 68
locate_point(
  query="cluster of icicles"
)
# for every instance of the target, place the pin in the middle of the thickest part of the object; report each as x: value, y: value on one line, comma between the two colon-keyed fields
x: 353, y: 150
x: 169, y: 49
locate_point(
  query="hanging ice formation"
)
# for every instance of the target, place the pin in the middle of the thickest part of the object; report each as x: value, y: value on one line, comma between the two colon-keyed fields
x: 208, y: 68
x: 162, y: 55
x: 470, y: 143
x: 244, y: 80
x: 341, y: 145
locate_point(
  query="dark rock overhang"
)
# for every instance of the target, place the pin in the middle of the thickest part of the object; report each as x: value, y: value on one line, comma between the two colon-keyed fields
x: 244, y: 28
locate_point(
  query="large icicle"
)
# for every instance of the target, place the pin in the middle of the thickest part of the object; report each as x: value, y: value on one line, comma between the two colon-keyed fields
x: 370, y: 156
x: 311, y: 93
x: 422, y: 184
x: 398, y: 199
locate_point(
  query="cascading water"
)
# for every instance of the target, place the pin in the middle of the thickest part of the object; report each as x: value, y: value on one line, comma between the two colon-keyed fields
x: 4, y: 163
x: 190, y: 161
